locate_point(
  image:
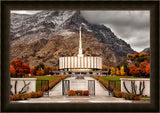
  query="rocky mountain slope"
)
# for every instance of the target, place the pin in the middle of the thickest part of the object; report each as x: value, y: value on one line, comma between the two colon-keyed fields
x: 45, y: 36
x: 147, y: 50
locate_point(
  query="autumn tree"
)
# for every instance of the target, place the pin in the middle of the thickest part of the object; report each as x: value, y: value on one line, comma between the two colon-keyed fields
x: 20, y: 67
x: 12, y: 70
x: 148, y: 69
x: 54, y: 68
x: 112, y: 71
x: 132, y: 69
x: 104, y: 68
x: 130, y: 56
x: 40, y: 65
x: 117, y: 71
x: 40, y: 71
x: 137, y: 71
x: 122, y: 71
x: 135, y: 55
x: 32, y: 71
x: 145, y: 68
x: 142, y: 54
x: 136, y: 64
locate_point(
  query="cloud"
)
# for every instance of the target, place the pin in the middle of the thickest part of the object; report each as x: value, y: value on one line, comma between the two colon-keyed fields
x: 131, y: 26
x: 25, y: 11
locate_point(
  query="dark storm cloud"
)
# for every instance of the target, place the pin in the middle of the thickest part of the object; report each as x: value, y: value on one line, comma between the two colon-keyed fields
x: 131, y: 26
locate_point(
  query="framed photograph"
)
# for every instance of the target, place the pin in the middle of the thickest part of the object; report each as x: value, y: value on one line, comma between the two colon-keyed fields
x: 80, y: 56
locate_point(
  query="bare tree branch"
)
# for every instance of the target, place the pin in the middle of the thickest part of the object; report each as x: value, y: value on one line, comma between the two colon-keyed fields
x: 125, y: 87
x: 15, y: 87
x: 25, y: 85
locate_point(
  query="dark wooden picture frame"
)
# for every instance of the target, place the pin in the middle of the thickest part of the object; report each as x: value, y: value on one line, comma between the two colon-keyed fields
x: 153, y: 106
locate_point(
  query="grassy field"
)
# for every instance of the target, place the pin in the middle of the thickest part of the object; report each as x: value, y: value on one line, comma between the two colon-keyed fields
x: 38, y: 82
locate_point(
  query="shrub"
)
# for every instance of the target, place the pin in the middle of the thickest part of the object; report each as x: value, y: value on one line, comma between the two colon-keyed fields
x: 129, y: 96
x: 136, y: 98
x: 19, y: 97
x: 23, y: 96
x: 16, y: 97
x: 36, y: 94
x: 85, y: 93
x: 11, y: 98
x: 117, y: 94
x: 124, y: 95
x: 40, y: 93
x: 26, y: 96
x: 71, y: 93
x: 79, y: 92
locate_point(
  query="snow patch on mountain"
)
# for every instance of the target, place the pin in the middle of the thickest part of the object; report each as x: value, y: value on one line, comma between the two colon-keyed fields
x: 86, y: 27
x: 66, y: 33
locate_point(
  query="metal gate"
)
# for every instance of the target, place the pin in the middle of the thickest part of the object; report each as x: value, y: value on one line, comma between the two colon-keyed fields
x: 113, y: 83
x: 41, y: 84
x: 91, y: 87
x: 65, y: 87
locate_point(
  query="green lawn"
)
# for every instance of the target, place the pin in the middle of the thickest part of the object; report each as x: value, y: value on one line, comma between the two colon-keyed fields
x: 145, y: 98
x: 117, y: 83
x: 46, y: 78
x: 38, y: 82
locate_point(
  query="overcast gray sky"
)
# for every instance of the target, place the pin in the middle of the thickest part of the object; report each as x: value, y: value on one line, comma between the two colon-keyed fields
x: 131, y: 26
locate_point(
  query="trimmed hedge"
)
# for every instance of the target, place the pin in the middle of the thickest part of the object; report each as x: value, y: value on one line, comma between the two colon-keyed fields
x: 78, y: 93
x: 71, y: 93
x: 85, y: 93
x: 127, y: 96
x: 26, y: 96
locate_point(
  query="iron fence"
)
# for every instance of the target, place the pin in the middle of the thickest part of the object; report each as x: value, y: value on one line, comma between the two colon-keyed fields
x: 42, y: 83
x: 114, y: 84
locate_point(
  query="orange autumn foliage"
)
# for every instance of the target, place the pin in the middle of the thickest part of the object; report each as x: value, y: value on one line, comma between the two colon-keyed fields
x: 142, y: 65
x: 12, y: 70
x: 133, y: 70
x: 32, y: 70
x: 104, y: 68
x: 148, y: 69
x: 122, y: 71
x: 20, y: 67
x: 55, y: 68
x: 145, y: 68
x: 136, y: 55
x: 40, y: 71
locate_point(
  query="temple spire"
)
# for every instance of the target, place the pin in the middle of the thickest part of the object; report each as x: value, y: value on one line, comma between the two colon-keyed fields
x: 80, y: 44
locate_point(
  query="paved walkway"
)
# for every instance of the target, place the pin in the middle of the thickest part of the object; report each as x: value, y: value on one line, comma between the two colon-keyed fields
x: 55, y: 96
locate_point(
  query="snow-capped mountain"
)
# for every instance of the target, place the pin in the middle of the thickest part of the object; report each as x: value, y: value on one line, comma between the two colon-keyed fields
x: 46, y: 25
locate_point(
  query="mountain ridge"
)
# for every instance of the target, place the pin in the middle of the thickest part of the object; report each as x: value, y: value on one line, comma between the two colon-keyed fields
x: 46, y: 25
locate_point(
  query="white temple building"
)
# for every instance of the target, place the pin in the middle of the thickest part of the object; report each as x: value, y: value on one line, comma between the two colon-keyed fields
x: 80, y: 64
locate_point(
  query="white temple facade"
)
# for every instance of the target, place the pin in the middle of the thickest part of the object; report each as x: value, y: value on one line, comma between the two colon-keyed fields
x: 80, y: 64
